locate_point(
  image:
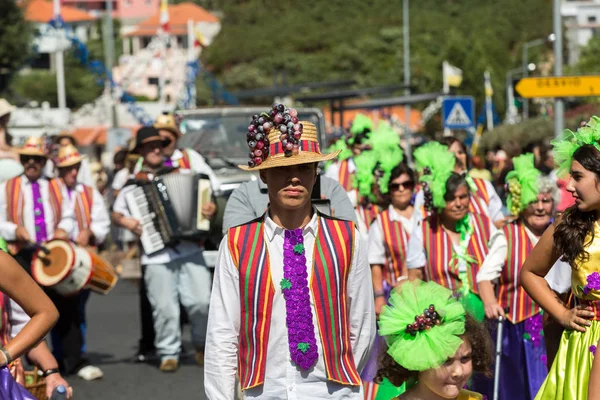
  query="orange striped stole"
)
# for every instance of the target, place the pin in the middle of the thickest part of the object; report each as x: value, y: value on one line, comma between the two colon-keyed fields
x: 511, y: 294
x: 441, y: 268
x: 344, y: 177
x: 184, y: 161
x: 368, y: 213
x: 395, y: 242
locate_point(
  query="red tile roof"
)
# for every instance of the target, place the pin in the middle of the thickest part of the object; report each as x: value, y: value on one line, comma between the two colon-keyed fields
x: 43, y: 11
x: 178, y: 18
x: 86, y: 136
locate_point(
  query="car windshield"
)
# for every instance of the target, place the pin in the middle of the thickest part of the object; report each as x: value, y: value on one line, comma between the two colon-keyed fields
x: 222, y: 138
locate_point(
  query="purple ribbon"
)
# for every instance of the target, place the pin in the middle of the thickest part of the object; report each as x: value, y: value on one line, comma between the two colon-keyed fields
x: 294, y: 285
x: 38, y: 212
x: 168, y: 163
x: 10, y: 389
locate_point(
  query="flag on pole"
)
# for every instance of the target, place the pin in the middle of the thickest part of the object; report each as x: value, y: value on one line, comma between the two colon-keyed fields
x: 164, y: 15
x: 199, y: 40
x: 452, y: 75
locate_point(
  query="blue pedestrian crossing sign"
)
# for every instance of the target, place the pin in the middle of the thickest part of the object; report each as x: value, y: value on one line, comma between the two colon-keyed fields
x: 458, y: 112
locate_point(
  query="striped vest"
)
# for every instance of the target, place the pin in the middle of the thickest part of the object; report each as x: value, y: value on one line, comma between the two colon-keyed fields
x: 333, y: 253
x: 368, y: 214
x: 4, y: 315
x: 479, y: 199
x: 82, y: 202
x: 441, y: 268
x: 395, y: 240
x: 511, y: 294
x: 15, y: 203
x: 344, y: 177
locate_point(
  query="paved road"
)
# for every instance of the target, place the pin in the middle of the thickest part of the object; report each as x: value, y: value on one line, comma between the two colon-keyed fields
x: 113, y: 331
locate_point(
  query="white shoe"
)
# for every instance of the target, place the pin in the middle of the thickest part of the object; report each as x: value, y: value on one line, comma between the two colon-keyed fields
x: 90, y: 373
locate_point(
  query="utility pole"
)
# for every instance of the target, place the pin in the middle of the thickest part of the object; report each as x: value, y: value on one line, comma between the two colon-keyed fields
x: 559, y: 105
x: 407, y: 132
x: 109, y: 56
x: 60, y: 61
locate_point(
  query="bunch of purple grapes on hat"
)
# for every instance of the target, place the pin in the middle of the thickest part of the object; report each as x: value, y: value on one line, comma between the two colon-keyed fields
x: 281, y: 118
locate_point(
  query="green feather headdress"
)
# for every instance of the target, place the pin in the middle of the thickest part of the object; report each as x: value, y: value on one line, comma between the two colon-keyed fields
x: 523, y: 185
x: 437, y: 164
x: 363, y: 179
x: 340, y: 145
x: 386, y: 146
x: 567, y: 146
x: 359, y: 125
x: 426, y: 348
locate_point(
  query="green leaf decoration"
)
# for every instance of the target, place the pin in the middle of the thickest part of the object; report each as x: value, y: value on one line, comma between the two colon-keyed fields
x: 285, y: 284
x: 303, y: 347
x: 299, y: 248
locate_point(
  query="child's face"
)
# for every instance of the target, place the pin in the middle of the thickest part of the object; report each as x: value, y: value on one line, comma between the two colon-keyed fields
x: 447, y: 380
x: 583, y: 186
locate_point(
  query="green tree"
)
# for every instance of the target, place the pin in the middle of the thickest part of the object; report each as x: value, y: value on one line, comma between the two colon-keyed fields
x: 313, y: 40
x: 15, y: 36
x: 80, y: 85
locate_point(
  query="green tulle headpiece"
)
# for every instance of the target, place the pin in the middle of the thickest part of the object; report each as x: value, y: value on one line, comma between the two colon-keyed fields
x: 431, y: 343
x: 567, y: 146
x: 522, y: 182
x: 363, y: 178
x: 386, y: 146
x: 360, y: 124
x: 436, y: 163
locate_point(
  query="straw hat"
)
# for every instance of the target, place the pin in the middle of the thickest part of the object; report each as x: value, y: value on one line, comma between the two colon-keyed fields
x: 68, y: 156
x: 6, y: 107
x: 309, y: 151
x: 167, y: 122
x: 34, y: 146
x: 65, y: 134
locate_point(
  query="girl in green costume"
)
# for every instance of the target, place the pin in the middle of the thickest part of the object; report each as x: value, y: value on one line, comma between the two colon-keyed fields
x: 575, y: 238
x: 433, y: 344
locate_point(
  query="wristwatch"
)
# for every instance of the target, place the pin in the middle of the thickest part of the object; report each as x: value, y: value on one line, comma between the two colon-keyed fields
x: 50, y: 372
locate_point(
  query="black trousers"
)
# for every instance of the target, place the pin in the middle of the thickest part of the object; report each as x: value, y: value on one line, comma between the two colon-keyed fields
x: 67, y: 339
x: 146, y: 343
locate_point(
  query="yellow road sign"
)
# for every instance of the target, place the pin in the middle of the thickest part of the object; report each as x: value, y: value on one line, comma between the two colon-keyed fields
x: 563, y: 86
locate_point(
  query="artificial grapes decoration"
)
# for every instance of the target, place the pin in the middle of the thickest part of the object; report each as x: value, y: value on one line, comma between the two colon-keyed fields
x: 514, y: 191
x: 279, y: 117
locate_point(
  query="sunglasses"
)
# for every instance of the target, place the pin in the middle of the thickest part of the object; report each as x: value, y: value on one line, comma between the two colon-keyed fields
x: 409, y: 185
x: 35, y: 159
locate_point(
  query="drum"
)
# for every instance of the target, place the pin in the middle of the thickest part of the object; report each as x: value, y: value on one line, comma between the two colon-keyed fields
x: 68, y: 268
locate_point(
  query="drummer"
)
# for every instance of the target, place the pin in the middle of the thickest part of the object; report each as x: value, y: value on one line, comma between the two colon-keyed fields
x: 91, y: 227
x: 26, y: 218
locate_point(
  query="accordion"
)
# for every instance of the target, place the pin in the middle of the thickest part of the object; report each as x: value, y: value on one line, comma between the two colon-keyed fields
x: 169, y: 208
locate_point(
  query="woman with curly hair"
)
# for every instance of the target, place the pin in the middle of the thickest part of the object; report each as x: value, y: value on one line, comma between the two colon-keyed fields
x: 433, y: 345
x: 575, y: 239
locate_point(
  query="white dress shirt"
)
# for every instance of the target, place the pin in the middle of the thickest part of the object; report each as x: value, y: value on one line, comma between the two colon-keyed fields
x: 100, y: 221
x: 558, y: 278
x: 495, y: 258
x: 120, y: 179
x: 377, y: 254
x: 283, y: 380
x: 8, y: 229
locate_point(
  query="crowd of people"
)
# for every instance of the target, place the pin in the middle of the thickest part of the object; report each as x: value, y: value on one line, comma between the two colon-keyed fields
x: 372, y: 279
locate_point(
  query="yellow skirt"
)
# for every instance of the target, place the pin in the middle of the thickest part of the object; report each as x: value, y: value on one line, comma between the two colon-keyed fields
x: 570, y: 373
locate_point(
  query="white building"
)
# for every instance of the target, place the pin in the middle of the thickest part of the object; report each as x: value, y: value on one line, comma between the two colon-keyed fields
x: 582, y: 21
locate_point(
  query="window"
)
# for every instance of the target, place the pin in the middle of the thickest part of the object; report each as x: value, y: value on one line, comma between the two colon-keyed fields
x: 592, y: 19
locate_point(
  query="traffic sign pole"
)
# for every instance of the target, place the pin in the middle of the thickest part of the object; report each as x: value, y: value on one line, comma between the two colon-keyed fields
x: 559, y: 105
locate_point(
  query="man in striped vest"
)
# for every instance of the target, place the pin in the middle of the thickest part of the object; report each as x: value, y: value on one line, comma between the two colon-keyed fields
x: 92, y: 224
x: 292, y: 302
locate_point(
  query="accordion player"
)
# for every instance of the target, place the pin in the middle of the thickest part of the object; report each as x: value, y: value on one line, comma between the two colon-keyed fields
x: 169, y: 209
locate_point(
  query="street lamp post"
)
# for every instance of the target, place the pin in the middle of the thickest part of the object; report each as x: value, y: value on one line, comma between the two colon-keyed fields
x: 407, y: 132
x: 511, y: 110
x: 526, y: 46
